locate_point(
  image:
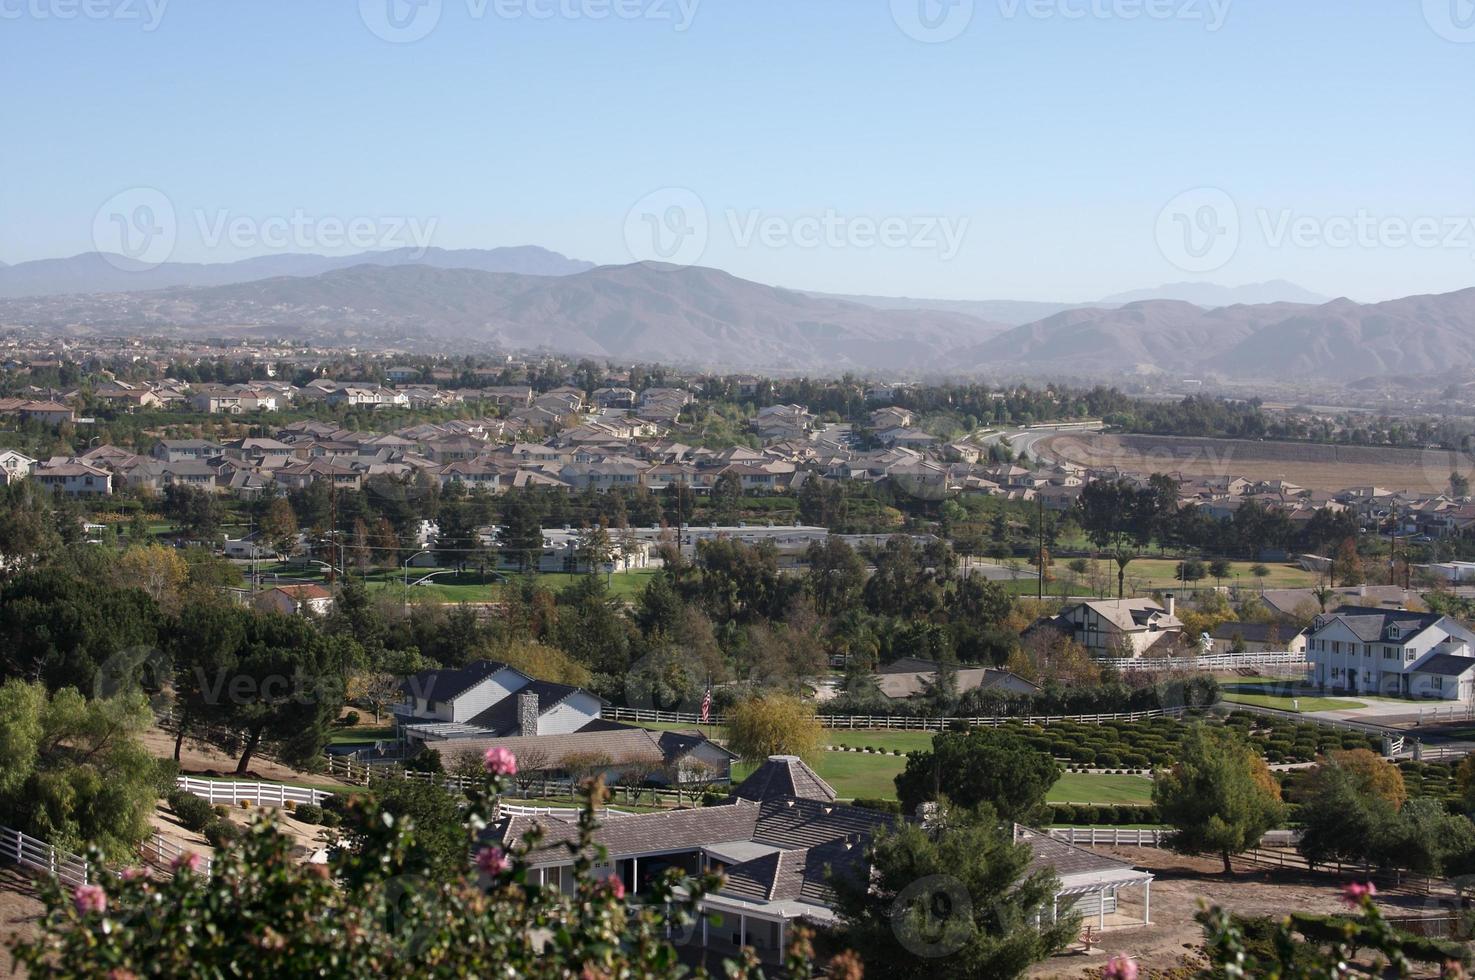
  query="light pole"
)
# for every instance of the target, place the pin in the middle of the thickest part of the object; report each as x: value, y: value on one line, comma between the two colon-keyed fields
x: 406, y: 565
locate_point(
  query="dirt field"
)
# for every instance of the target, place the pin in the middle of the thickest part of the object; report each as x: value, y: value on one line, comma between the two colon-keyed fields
x: 1174, y: 938
x: 1315, y: 467
x: 205, y: 760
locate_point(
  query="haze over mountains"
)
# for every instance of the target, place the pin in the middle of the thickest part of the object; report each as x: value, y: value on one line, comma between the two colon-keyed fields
x: 523, y: 299
x: 95, y: 272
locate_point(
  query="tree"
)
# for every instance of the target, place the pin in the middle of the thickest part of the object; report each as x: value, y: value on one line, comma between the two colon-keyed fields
x: 74, y: 772
x: 1371, y: 774
x: 774, y: 724
x: 1220, y: 798
x: 836, y: 575
x: 279, y: 527
x: 984, y: 766
x: 432, y: 815
x: 594, y: 549
x: 1261, y: 572
x: 375, y: 689
x: 521, y: 534
x: 1459, y: 485
x: 159, y: 571
x: 1347, y: 565
x: 1220, y: 569
x: 959, y: 889
x: 1189, y: 570
x: 286, y: 687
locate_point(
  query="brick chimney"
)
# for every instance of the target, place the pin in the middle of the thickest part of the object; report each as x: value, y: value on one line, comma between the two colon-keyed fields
x: 527, y: 713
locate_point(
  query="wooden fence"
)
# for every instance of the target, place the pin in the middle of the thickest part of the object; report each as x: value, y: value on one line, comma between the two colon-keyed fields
x: 162, y: 853
x: 893, y: 722
x: 1280, y: 660
x: 1142, y: 837
x: 264, y: 794
x: 25, y: 850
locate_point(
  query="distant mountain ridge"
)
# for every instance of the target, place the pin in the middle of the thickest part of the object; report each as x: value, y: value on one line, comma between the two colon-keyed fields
x: 707, y: 318
x: 96, y: 272
x: 1212, y: 296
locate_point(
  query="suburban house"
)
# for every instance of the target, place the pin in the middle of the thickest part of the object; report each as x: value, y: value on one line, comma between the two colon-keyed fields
x: 779, y: 841
x: 296, y: 600
x: 14, y: 465
x: 1392, y: 652
x: 73, y: 478
x: 1116, y: 627
x: 487, y: 700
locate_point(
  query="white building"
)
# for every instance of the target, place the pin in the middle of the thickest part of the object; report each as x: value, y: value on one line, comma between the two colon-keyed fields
x: 1392, y: 652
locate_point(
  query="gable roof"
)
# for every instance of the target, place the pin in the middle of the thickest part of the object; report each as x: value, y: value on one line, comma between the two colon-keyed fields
x: 784, y: 777
x: 446, y: 685
x: 1444, y: 664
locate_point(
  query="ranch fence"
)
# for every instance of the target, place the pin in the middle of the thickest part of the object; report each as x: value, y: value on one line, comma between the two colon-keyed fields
x: 1145, y: 837
x: 1284, y: 660
x: 894, y: 722
x: 263, y: 794
x: 30, y: 852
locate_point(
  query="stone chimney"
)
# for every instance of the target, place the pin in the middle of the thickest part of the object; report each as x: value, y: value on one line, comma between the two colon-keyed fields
x: 1172, y: 601
x: 527, y: 713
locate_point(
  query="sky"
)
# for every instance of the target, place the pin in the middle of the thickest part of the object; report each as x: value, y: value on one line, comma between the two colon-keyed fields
x: 973, y: 149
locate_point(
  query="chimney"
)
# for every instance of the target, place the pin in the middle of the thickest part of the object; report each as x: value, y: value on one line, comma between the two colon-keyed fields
x: 1172, y: 603
x: 527, y: 713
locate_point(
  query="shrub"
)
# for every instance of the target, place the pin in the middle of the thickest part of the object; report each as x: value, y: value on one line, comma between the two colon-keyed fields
x: 220, y: 809
x: 330, y: 819
x: 1108, y: 760
x: 221, y: 833
x: 1064, y: 813
x: 309, y: 813
x: 883, y: 806
x: 351, y: 719
x: 192, y: 811
x: 1087, y: 814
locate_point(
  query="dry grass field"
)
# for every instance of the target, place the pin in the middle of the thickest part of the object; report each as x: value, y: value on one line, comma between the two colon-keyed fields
x: 1316, y: 467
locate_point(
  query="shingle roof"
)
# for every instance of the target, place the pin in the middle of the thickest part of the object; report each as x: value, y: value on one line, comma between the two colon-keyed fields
x: 646, y: 833
x: 1050, y: 853
x: 1446, y: 664
x: 502, y: 717
x: 445, y: 685
x: 784, y: 777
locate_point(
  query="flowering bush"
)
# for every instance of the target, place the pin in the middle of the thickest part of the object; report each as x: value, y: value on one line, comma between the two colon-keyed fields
x: 263, y: 913
x: 1313, y: 947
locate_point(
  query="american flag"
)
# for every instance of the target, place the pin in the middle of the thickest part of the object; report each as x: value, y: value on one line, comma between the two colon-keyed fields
x: 707, y: 706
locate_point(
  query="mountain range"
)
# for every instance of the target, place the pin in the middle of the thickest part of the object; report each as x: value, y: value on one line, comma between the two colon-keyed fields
x: 98, y: 272
x: 708, y: 318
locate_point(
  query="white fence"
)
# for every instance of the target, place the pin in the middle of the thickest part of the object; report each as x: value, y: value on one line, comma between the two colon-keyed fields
x: 264, y: 794
x: 162, y: 853
x: 27, y: 851
x: 893, y: 722
x: 1213, y: 661
x: 1127, y: 837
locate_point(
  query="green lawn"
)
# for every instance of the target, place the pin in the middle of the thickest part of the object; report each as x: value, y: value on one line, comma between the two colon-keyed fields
x: 1081, y: 787
x: 355, y: 736
x: 854, y: 775
x: 1273, y: 693
x: 1162, y: 573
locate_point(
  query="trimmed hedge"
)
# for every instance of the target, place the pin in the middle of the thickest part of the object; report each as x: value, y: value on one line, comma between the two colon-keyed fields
x: 192, y: 811
x: 309, y: 813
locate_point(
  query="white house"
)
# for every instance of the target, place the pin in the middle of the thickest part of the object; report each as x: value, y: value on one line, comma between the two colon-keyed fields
x: 14, y: 465
x: 1392, y: 652
x: 1116, y: 627
x: 486, y: 699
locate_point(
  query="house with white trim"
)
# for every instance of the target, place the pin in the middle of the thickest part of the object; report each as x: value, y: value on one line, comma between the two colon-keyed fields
x: 1392, y: 652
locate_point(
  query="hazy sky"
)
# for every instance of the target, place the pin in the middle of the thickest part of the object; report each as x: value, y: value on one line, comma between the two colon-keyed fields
x: 1027, y: 149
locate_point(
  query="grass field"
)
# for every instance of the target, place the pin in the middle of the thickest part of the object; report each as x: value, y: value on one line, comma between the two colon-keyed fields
x: 1274, y: 693
x: 1080, y: 787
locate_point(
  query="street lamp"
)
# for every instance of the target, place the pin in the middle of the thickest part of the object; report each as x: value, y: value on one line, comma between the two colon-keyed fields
x: 406, y: 565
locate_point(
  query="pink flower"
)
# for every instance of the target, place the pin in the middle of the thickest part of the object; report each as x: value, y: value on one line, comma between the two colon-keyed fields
x: 90, y: 898
x: 1120, y: 967
x: 188, y: 861
x: 616, y: 887
x: 1356, y: 892
x: 132, y: 874
x: 492, y: 860
x: 501, y: 762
